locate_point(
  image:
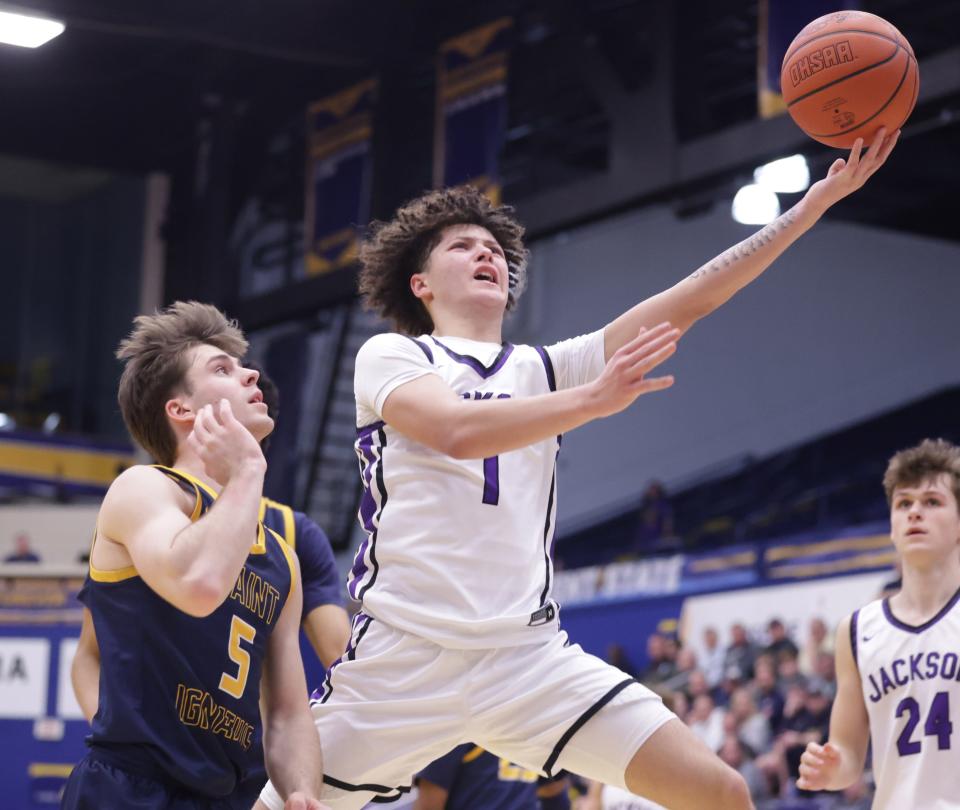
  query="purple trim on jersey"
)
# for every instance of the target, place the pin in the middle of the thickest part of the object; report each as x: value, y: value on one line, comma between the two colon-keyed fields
x: 927, y: 624
x: 491, y: 480
x: 323, y: 694
x: 853, y: 636
x: 476, y: 365
x: 547, y: 536
x: 369, y: 512
x: 548, y: 365
x: 423, y: 347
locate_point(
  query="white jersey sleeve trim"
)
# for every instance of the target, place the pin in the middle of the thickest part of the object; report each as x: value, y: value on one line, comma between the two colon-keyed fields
x: 384, y: 363
x: 578, y: 360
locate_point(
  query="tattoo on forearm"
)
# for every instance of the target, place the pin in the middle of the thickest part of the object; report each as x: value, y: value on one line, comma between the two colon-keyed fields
x: 748, y: 246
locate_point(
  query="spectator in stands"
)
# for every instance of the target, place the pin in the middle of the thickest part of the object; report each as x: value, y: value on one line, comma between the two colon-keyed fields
x: 738, y: 756
x: 617, y: 656
x: 654, y: 519
x: 750, y: 723
x: 788, y: 671
x: 818, y: 641
x: 768, y: 698
x: 806, y: 717
x: 779, y: 640
x: 660, y: 665
x: 22, y: 552
x: 712, y: 657
x: 826, y: 671
x: 741, y: 653
x: 686, y: 666
x: 706, y: 721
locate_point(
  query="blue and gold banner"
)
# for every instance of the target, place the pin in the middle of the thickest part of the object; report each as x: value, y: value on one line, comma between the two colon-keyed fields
x: 779, y: 22
x: 472, y: 108
x: 339, y: 165
x: 35, y: 463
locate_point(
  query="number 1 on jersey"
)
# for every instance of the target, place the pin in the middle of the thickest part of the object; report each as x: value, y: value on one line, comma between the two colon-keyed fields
x: 491, y: 480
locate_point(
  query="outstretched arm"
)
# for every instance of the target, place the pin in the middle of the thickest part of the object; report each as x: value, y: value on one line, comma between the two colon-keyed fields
x: 711, y: 285
x: 839, y: 762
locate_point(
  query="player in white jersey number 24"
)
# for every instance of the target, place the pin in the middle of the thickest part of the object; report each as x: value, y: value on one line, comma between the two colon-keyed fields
x: 898, y: 659
x: 457, y: 639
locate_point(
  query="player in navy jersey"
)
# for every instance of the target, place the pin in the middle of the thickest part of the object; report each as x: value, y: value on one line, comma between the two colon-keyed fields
x: 192, y: 600
x: 458, y: 638
x: 469, y: 778
x: 898, y: 658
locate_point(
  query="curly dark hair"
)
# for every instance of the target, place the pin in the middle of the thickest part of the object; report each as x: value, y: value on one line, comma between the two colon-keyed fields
x: 395, y: 250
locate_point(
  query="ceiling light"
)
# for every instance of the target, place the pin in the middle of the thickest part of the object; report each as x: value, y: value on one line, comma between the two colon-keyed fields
x: 755, y: 205
x: 788, y: 175
x: 27, y: 32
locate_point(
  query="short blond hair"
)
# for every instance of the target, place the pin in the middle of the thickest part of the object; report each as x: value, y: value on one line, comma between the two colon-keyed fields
x: 155, y: 367
x: 926, y: 462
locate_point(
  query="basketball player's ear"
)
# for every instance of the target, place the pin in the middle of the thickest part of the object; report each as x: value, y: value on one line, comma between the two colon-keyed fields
x: 420, y: 287
x: 179, y: 411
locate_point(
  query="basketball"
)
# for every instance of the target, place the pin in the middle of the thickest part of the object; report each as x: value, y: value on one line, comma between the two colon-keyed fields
x: 847, y: 74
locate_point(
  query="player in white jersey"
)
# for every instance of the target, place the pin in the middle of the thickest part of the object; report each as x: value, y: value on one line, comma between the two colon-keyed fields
x: 458, y: 433
x: 898, y: 658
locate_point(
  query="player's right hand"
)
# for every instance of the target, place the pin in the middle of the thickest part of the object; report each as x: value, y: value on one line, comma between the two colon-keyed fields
x: 624, y: 377
x: 818, y: 764
x: 223, y: 445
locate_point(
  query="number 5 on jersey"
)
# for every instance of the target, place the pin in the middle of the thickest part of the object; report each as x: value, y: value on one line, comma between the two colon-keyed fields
x: 234, y: 685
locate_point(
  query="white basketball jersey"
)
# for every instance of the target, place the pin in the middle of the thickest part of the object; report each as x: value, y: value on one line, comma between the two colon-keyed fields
x: 911, y: 688
x: 458, y: 551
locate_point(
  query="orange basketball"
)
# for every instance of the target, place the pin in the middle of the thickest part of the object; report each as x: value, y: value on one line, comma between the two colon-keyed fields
x: 847, y: 74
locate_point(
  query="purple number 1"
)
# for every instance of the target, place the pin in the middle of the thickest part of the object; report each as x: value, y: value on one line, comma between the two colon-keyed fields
x: 491, y: 473
x: 491, y: 480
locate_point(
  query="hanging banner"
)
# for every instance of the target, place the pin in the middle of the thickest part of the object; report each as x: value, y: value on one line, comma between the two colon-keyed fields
x: 779, y: 22
x: 472, y: 108
x: 339, y: 164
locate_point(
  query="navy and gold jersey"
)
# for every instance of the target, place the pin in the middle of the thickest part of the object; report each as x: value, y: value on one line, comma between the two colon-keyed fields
x: 322, y: 583
x: 475, y: 779
x: 179, y: 695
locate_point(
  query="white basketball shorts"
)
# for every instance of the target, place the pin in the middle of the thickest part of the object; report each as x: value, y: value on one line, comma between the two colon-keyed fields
x: 395, y: 702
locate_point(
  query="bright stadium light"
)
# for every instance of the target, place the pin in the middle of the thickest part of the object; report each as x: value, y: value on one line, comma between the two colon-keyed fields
x: 787, y: 175
x: 755, y: 205
x: 27, y: 32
